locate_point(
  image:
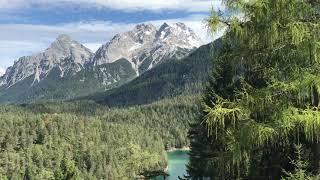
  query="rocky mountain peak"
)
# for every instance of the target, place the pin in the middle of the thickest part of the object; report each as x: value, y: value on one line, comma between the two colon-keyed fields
x: 64, y: 37
x: 146, y: 45
x: 64, y: 46
x: 176, y: 27
x: 179, y: 34
x: 145, y: 27
x: 181, y: 25
x: 64, y: 53
x: 164, y: 26
x: 63, y: 42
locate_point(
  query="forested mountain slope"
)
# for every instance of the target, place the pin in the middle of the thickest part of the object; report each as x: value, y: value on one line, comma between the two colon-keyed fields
x: 169, y: 79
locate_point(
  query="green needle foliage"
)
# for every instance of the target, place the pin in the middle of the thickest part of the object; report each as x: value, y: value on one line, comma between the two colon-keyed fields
x: 299, y: 172
x: 85, y: 140
x: 264, y: 92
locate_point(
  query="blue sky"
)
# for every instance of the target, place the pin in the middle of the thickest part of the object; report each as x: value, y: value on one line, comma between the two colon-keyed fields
x: 29, y: 26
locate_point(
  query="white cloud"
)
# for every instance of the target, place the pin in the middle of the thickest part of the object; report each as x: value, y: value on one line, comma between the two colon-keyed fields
x: 2, y: 71
x: 18, y: 40
x: 91, y: 31
x: 92, y: 46
x: 155, y: 5
x: 11, y: 50
x: 125, y: 5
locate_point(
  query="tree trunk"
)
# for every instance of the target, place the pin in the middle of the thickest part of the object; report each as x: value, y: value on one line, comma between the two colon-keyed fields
x: 316, y: 145
x: 316, y: 157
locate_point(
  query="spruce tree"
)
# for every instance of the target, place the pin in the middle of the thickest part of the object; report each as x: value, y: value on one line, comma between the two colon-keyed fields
x: 263, y: 96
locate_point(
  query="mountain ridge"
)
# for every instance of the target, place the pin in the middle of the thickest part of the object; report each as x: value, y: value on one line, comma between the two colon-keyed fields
x: 66, y: 61
x: 146, y: 45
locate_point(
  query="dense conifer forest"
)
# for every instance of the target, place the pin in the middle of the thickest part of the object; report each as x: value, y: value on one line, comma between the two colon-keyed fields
x: 84, y: 140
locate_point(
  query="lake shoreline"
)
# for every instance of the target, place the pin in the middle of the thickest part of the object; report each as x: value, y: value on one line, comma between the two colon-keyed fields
x: 184, y: 148
x: 178, y: 158
x: 171, y: 150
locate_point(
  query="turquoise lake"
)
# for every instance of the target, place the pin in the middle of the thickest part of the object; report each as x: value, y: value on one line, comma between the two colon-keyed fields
x: 177, y: 161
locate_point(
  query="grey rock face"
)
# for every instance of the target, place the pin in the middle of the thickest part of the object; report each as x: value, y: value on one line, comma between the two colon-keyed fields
x: 146, y: 45
x: 126, y: 45
x: 66, y: 54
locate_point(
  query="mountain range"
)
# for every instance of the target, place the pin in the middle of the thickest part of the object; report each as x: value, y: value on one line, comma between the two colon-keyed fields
x: 68, y: 70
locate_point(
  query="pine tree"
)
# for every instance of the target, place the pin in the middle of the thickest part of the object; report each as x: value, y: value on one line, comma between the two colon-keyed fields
x: 299, y: 172
x: 264, y: 92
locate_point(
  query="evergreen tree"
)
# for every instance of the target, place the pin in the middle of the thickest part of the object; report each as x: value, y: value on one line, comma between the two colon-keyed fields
x: 300, y: 172
x: 263, y: 96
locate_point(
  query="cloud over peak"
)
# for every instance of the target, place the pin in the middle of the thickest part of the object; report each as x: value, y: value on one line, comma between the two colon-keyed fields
x: 124, y: 5
x: 2, y: 71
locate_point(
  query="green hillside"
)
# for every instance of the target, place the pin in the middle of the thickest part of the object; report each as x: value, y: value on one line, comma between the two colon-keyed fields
x: 84, y: 140
x: 169, y: 79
